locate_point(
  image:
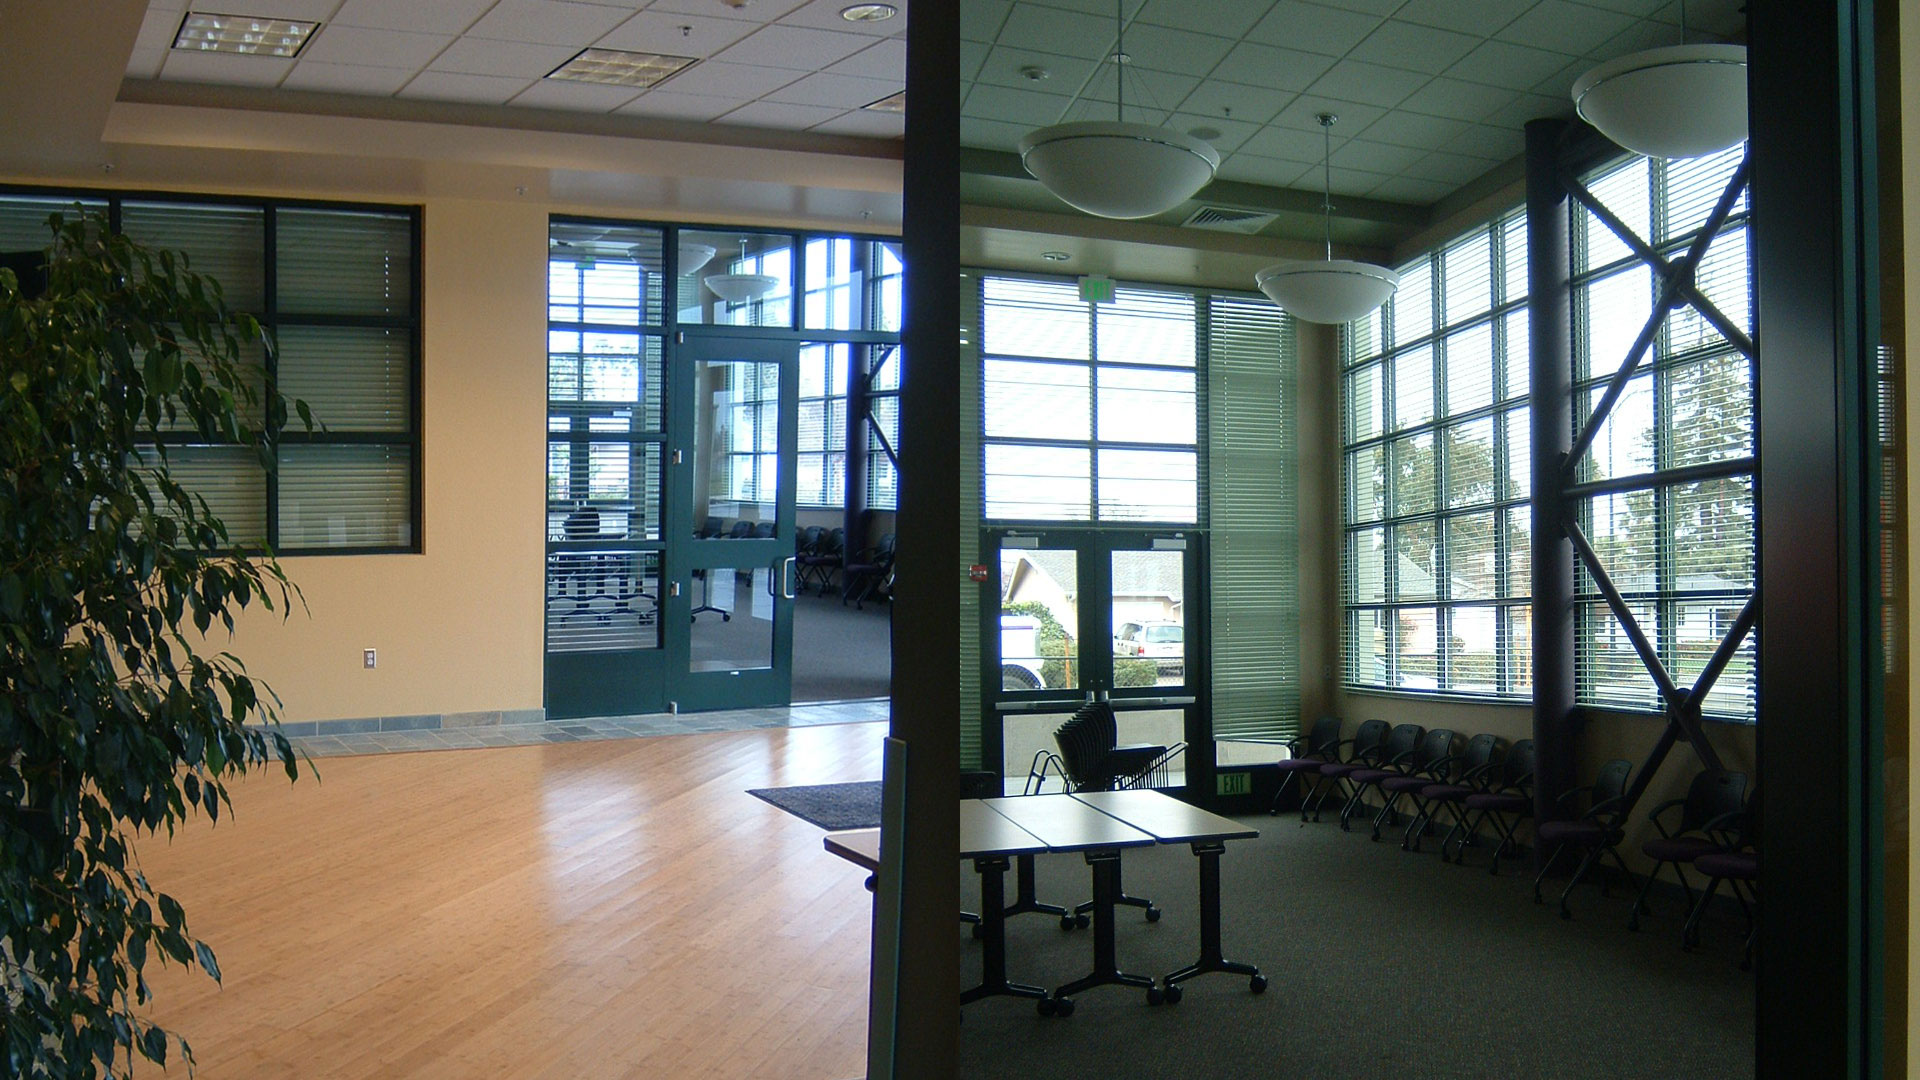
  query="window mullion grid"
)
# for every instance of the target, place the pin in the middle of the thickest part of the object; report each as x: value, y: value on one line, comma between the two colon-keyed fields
x: 270, y: 318
x: 1093, y: 413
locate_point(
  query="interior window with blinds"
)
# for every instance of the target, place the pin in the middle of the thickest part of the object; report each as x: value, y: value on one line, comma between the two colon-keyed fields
x: 1437, y: 526
x: 883, y: 399
x: 1090, y: 411
x: 335, y: 286
x: 1679, y: 550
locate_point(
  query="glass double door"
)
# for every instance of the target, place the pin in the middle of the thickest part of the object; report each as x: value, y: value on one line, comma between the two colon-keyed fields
x: 1081, y: 615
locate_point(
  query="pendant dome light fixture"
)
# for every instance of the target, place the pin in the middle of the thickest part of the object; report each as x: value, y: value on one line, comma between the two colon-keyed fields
x: 1333, y: 290
x: 740, y: 288
x: 1680, y: 101
x: 1117, y: 169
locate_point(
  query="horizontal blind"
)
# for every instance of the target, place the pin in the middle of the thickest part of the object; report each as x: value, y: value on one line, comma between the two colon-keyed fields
x: 225, y: 243
x: 970, y: 493
x: 230, y: 479
x: 23, y: 219
x: 352, y: 378
x: 609, y: 274
x: 346, y: 496
x: 1253, y: 510
x: 343, y: 262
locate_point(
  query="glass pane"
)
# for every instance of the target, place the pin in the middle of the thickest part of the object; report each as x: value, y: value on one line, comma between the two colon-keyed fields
x: 883, y: 286
x: 1416, y: 649
x: 1470, y: 369
x: 1517, y: 568
x: 343, y: 262
x: 1624, y: 192
x: 1036, y: 318
x: 1155, y: 727
x: 1412, y: 465
x: 354, y: 379
x: 1517, y: 331
x: 1473, y: 650
x: 231, y: 481
x: 1513, y: 241
x: 345, y: 496
x: 1149, y: 632
x: 1694, y: 187
x: 1413, y: 387
x: 1024, y: 737
x: 1469, y: 277
x: 1142, y: 327
x: 1039, y: 618
x: 1416, y: 561
x: 603, y: 490
x: 23, y: 219
x: 599, y: 601
x: 1033, y: 400
x: 1624, y: 444
x: 1471, y: 567
x: 1518, y: 425
x: 1366, y: 402
x: 1137, y: 405
x: 1038, y: 483
x: 1367, y: 566
x: 1725, y: 278
x: 1367, y: 484
x: 1623, y: 531
x: 746, y: 280
x: 736, y: 419
x: 1364, y: 337
x: 1470, y: 462
x: 606, y: 274
x: 1516, y: 624
x: 1149, y: 485
x: 1608, y: 316
x: 733, y: 620
x: 1698, y: 630
x: 834, y: 284
x: 225, y: 243
x: 587, y: 372
x: 1412, y: 303
x: 1711, y: 405
x: 1367, y: 647
x: 1606, y: 667
x: 1712, y: 523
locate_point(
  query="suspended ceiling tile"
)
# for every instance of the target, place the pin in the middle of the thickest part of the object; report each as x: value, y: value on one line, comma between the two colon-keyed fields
x: 1412, y: 129
x: 463, y: 86
x: 1163, y: 48
x: 991, y: 134
x: 1457, y: 100
x: 1237, y: 101
x: 981, y: 20
x: 1248, y: 168
x: 1304, y: 115
x: 885, y: 59
x: 308, y: 10
x: 1560, y: 83
x: 1501, y: 63
x: 1374, y: 156
x: 671, y: 106
x: 1151, y: 89
x: 374, y: 48
x: 1565, y: 27
x: 1313, y: 27
x: 1064, y: 74
x: 1055, y: 30
x: 1228, y: 18
x: 1412, y: 189
x: 1636, y: 8
x: 1265, y: 65
x: 973, y: 54
x: 825, y: 15
x: 1101, y: 8
x: 1287, y: 143
x: 574, y: 96
x: 347, y: 78
x: 1015, y: 106
x: 1352, y: 182
x: 674, y: 34
x: 877, y: 125
x: 227, y: 69
x: 146, y: 63
x: 1641, y: 35
x: 1515, y: 114
x: 1480, y: 18
x: 794, y: 48
x: 1455, y: 169
x: 838, y: 91
x: 548, y: 22
x: 773, y: 114
x: 755, y: 11
x: 158, y: 29
x: 1482, y: 140
x: 1232, y: 133
x: 741, y: 82
x: 1414, y: 47
x: 439, y: 17
x: 521, y: 60
x: 1368, y: 84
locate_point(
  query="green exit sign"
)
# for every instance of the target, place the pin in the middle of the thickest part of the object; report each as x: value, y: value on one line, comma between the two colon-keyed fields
x: 1095, y: 289
x: 1233, y: 783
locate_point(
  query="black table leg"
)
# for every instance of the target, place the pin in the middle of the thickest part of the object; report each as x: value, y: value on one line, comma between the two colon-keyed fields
x: 1120, y: 898
x: 1210, y: 958
x: 1106, y: 889
x: 1024, y: 898
x: 993, y: 936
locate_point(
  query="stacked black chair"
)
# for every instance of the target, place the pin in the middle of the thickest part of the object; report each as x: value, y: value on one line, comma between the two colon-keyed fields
x: 1362, y: 749
x: 1388, y: 760
x: 1713, y: 795
x: 1596, y: 832
x: 805, y: 539
x: 1739, y: 866
x: 1304, y: 758
x: 741, y: 530
x: 1431, y: 763
x: 711, y: 528
x: 1093, y: 761
x: 1504, y: 801
x: 1458, y: 776
x: 817, y: 566
x: 764, y: 530
x: 865, y: 571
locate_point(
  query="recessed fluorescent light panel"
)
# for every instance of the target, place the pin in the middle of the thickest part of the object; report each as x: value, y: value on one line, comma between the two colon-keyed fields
x: 249, y: 35
x: 895, y: 103
x: 612, y: 67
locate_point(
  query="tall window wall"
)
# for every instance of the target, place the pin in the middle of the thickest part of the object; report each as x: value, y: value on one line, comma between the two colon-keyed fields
x: 336, y: 286
x: 1434, y: 392
x: 1680, y: 550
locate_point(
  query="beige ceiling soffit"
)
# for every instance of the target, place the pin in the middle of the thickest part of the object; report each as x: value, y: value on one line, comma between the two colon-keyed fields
x: 1499, y: 189
x: 59, y: 65
x: 1039, y: 223
x: 302, y: 133
x: 1230, y: 193
x: 506, y: 117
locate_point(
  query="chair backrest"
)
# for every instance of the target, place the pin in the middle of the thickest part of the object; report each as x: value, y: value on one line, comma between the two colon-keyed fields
x: 807, y: 539
x: 834, y: 542
x: 712, y: 527
x: 1482, y: 751
x: 764, y: 530
x: 1712, y: 793
x: 1325, y: 733
x: 1369, y: 738
x: 883, y: 552
x: 1437, y: 744
x: 1611, y: 783
x: 1519, y: 763
x: 1404, y: 740
x: 741, y: 530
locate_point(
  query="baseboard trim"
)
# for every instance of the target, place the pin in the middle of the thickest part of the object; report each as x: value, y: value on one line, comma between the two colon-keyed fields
x: 370, y: 725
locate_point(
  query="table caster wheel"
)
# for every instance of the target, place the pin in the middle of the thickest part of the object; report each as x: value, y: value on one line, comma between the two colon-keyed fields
x: 1153, y: 914
x: 1065, y: 1006
x: 1066, y: 922
x: 1174, y: 994
x: 979, y: 931
x: 1155, y: 995
x: 1257, y: 984
x: 726, y: 616
x: 1046, y: 1006
x: 1083, y: 921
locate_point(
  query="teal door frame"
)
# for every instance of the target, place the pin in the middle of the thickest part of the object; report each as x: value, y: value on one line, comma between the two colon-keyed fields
x: 766, y: 562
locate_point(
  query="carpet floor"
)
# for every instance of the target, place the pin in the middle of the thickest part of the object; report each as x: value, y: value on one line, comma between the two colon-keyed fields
x: 832, y: 807
x: 1383, y: 964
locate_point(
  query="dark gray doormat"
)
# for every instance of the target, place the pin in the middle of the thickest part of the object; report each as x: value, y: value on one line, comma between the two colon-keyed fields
x: 831, y: 806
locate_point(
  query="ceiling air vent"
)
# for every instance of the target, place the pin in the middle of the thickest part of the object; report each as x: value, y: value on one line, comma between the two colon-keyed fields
x: 1221, y: 219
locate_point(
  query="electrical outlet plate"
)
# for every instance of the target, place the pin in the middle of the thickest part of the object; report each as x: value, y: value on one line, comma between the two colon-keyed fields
x: 370, y: 659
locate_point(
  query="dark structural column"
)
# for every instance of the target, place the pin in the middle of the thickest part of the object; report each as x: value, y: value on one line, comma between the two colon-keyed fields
x: 914, y: 1009
x: 1816, y: 290
x: 1555, y: 719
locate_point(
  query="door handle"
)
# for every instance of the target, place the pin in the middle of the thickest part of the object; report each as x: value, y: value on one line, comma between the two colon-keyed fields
x: 787, y: 581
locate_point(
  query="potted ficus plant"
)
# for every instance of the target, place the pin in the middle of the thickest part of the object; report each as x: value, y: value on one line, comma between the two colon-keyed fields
x: 117, y: 719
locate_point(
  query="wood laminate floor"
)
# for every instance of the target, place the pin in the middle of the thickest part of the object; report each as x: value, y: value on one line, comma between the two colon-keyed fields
x: 617, y: 908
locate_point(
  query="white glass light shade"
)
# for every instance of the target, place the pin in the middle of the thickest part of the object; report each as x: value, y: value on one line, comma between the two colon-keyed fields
x: 692, y: 257
x: 1116, y: 170
x: 739, y: 288
x: 1677, y: 102
x: 1333, y: 291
